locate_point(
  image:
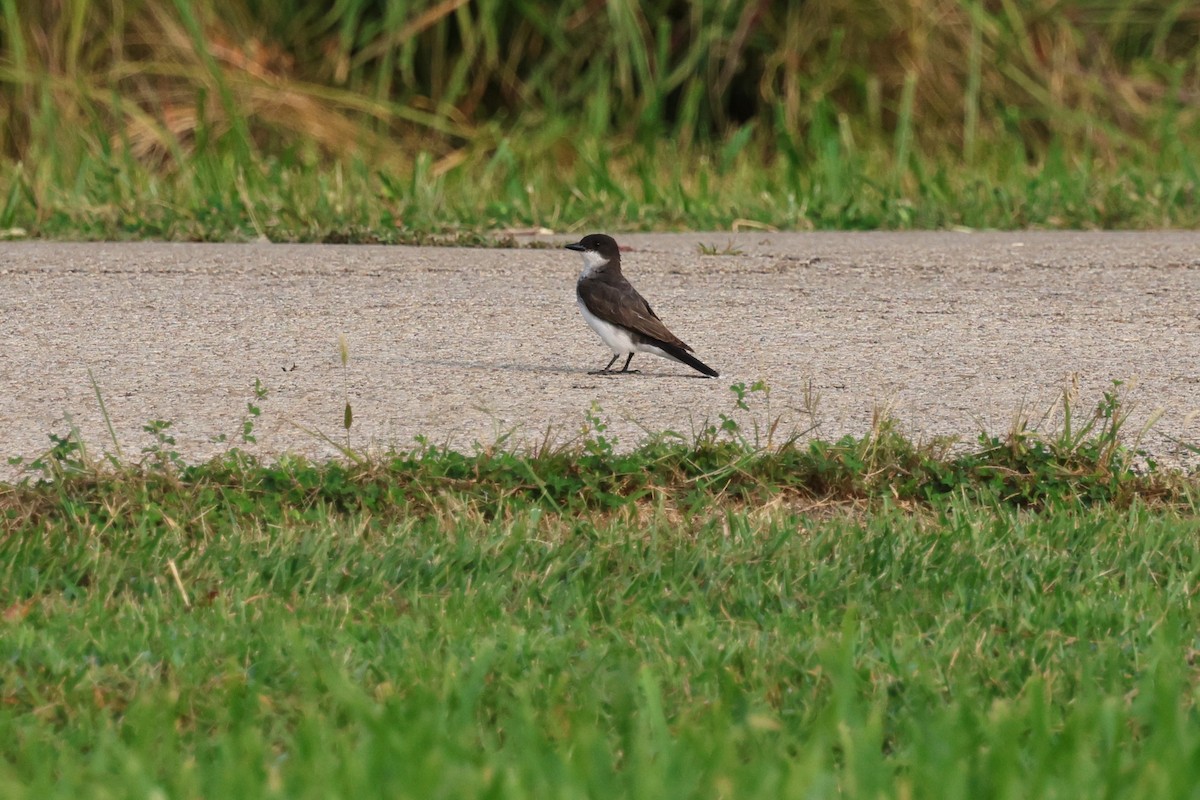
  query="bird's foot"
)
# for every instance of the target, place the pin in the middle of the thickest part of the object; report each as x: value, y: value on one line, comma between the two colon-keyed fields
x: 615, y: 372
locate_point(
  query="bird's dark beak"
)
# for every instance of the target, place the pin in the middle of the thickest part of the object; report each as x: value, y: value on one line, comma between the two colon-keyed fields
x: 577, y: 247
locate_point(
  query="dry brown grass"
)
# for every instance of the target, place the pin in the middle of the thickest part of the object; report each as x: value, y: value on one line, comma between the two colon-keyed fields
x: 162, y: 82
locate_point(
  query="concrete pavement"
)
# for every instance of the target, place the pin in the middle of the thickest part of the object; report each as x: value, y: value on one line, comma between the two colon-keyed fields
x: 950, y: 331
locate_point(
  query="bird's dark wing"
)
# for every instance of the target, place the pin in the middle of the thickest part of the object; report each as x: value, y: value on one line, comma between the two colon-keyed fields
x: 620, y: 304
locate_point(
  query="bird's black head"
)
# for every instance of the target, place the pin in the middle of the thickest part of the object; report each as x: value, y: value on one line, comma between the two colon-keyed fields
x: 604, y: 246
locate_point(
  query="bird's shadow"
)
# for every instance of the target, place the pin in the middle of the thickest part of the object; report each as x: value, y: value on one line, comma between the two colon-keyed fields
x: 513, y: 366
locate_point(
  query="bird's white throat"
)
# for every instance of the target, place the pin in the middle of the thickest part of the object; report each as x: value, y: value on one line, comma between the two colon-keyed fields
x: 592, y: 261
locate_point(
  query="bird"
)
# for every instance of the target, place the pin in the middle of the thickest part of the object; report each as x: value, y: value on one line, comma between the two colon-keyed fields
x: 621, y: 316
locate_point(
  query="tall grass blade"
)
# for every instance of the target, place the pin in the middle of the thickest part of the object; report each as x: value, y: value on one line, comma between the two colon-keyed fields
x: 112, y: 433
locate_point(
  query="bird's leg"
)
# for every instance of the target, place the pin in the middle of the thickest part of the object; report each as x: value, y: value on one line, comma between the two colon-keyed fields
x: 608, y: 368
x: 626, y: 367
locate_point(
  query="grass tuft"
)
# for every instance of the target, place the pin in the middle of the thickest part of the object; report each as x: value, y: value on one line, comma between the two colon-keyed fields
x: 1082, y: 464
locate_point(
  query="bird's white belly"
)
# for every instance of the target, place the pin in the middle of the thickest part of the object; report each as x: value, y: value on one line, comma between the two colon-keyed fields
x: 616, y: 338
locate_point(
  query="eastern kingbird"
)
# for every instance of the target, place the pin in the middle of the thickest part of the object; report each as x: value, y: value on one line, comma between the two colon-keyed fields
x: 618, y: 313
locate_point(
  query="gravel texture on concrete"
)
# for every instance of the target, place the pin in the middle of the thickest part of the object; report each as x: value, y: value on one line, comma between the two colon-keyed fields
x: 952, y: 333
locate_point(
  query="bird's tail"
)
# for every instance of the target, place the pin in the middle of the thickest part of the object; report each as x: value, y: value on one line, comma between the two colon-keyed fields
x: 679, y: 354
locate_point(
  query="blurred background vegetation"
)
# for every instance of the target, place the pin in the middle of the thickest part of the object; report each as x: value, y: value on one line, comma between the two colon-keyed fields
x: 385, y: 120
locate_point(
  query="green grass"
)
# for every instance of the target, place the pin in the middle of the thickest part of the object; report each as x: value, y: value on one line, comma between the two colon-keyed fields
x: 283, y: 199
x: 969, y: 652
x: 450, y: 121
x: 863, y: 618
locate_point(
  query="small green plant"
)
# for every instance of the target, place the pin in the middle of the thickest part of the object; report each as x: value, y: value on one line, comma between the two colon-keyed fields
x: 764, y: 429
x: 162, y: 450
x: 729, y: 425
x: 253, y: 412
x: 595, y: 443
x: 67, y: 456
